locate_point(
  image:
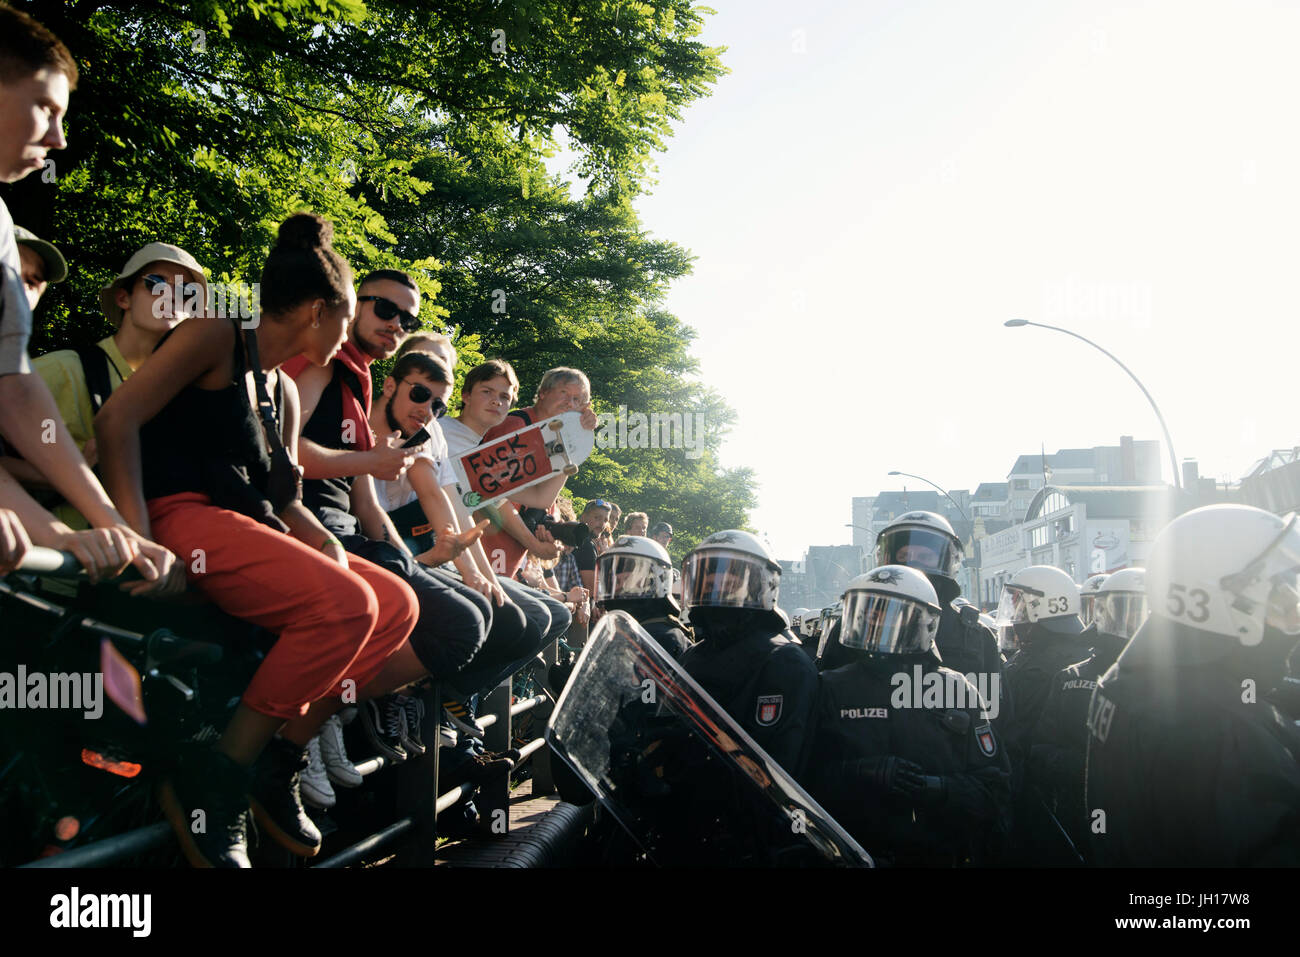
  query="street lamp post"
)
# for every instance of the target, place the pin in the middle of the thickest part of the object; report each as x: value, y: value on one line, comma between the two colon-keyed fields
x: 969, y: 523
x: 1169, y: 443
x: 940, y: 488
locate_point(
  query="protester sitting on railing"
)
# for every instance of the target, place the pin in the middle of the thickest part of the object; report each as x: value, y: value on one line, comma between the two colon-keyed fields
x: 488, y: 392
x: 561, y: 390
x: 142, y: 304
x: 36, y: 74
x: 182, y: 446
x: 342, y: 459
x: 513, y: 631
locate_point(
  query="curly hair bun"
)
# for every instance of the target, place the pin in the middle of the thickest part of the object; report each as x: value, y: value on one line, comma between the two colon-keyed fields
x: 306, y: 231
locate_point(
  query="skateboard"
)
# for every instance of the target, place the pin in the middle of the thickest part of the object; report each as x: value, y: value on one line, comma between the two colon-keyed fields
x: 490, y: 473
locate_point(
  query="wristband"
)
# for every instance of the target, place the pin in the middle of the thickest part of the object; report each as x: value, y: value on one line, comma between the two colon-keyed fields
x: 328, y: 541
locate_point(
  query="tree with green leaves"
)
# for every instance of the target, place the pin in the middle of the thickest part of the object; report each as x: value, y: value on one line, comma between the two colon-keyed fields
x: 420, y: 129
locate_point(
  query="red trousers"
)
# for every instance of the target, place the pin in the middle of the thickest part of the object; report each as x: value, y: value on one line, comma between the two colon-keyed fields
x: 336, y: 625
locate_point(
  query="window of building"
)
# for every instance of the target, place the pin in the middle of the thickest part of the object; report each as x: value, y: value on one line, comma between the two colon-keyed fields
x: 1054, y: 502
x: 1021, y: 484
x: 1039, y: 536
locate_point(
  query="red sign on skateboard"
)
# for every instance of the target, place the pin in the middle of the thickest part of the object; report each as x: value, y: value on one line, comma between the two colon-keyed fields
x: 505, y: 465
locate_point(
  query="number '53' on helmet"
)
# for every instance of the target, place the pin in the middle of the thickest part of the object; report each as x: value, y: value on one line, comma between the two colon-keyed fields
x: 730, y: 569
x: 922, y: 540
x: 891, y: 610
x: 1040, y: 594
x: 1229, y: 570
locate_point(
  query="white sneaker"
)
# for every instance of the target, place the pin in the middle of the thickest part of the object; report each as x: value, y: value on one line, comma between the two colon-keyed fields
x: 313, y: 782
x: 340, y: 770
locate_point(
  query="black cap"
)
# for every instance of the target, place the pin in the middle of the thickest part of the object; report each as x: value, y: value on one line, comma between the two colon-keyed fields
x: 660, y: 528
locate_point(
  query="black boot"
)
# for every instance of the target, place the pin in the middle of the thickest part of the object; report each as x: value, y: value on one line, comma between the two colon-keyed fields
x: 205, y: 803
x: 277, y: 800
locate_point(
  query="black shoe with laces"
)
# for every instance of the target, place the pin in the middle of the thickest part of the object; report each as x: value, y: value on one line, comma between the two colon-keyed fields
x: 412, y: 720
x: 205, y: 803
x: 382, y: 721
x: 277, y: 799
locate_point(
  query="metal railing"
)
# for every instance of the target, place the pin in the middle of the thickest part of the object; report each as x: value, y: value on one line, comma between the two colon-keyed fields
x: 419, y: 796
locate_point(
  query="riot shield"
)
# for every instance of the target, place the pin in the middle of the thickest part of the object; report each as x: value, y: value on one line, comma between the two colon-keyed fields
x: 678, y: 774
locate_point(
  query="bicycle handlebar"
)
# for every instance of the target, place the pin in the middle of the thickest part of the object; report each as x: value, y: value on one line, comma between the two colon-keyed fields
x: 41, y: 560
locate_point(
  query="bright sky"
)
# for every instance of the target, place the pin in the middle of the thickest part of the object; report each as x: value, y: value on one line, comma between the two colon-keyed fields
x: 868, y: 212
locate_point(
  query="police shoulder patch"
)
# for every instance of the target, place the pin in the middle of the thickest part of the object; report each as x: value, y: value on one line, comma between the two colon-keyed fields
x: 767, y: 712
x: 988, y: 744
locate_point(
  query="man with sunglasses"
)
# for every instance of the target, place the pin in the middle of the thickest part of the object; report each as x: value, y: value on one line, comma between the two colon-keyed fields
x: 342, y: 457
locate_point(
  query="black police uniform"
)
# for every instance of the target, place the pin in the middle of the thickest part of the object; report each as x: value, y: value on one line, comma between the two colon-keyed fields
x: 859, y: 728
x: 669, y: 631
x: 763, y: 680
x: 1185, y: 772
x: 1059, y: 746
x: 968, y: 647
x: 1043, y: 652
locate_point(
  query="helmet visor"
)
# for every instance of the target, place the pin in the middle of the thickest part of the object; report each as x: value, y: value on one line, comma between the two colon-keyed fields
x: 1011, y: 607
x: 1121, y: 613
x: 724, y: 579
x: 1088, y: 609
x: 886, y: 624
x: 921, y: 548
x: 1280, y: 565
x: 626, y: 577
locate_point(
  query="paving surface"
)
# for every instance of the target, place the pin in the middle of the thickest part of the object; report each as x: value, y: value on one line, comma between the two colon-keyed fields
x: 542, y: 834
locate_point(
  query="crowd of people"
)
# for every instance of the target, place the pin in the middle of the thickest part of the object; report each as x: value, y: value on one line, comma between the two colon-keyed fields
x: 251, y: 464
x: 259, y: 468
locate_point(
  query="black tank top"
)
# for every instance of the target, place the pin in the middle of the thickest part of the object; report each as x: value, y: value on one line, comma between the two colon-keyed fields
x: 211, y: 441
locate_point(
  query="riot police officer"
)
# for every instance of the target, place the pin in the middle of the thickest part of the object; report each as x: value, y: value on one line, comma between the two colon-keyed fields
x: 1189, y: 764
x: 743, y: 658
x: 905, y: 756
x: 1088, y: 592
x: 1060, y: 741
x: 926, y: 541
x: 635, y: 574
x: 1040, y: 604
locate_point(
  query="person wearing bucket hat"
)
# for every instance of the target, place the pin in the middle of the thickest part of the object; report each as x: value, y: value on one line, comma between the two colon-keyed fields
x: 139, y: 302
x: 42, y: 264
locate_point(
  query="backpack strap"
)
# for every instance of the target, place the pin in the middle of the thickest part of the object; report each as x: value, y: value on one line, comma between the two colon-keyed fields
x: 94, y: 367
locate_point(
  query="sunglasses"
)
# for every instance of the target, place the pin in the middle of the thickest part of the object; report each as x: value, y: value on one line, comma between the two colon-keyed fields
x: 421, y: 393
x: 155, y: 282
x: 387, y: 310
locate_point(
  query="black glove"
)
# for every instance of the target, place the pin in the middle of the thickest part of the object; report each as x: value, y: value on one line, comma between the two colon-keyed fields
x: 925, y: 790
x: 886, y: 774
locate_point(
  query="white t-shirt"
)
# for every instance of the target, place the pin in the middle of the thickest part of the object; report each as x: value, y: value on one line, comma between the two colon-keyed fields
x: 393, y: 495
x: 15, y: 314
x: 460, y: 437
